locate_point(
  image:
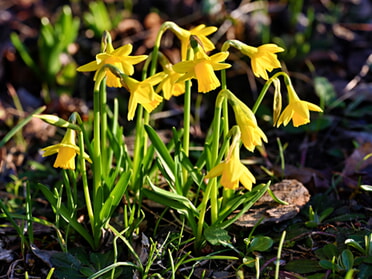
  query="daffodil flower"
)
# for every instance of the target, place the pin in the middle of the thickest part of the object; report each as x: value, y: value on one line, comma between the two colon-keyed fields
x: 117, y: 57
x: 202, y: 68
x: 66, y: 150
x: 200, y: 31
x: 142, y: 92
x: 297, y: 110
x: 170, y: 84
x: 251, y: 134
x: 232, y: 171
x: 263, y: 58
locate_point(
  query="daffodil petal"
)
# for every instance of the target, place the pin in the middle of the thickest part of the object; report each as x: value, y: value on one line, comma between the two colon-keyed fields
x: 183, y: 66
x: 216, y: 171
x: 220, y: 56
x: 247, y: 179
x: 89, y: 67
x: 124, y: 50
x: 313, y: 107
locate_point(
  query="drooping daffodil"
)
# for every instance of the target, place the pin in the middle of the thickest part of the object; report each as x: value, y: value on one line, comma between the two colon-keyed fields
x: 202, y: 68
x: 142, y: 92
x: 232, y: 171
x: 251, y: 133
x: 263, y: 58
x: 120, y: 58
x: 66, y: 150
x: 297, y: 110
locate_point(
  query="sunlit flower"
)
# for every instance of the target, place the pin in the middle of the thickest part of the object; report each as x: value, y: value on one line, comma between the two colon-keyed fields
x: 170, y: 84
x: 232, y: 171
x: 117, y: 57
x: 297, y: 110
x: 142, y: 92
x: 201, y: 32
x: 66, y: 150
x: 251, y: 134
x: 263, y: 58
x: 202, y: 68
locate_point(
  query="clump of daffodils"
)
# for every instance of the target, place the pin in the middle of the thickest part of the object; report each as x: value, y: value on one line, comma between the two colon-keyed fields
x: 200, y: 64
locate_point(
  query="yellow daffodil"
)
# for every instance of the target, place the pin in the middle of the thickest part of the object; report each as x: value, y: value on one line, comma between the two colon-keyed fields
x: 200, y: 31
x: 232, y: 171
x: 142, y: 92
x: 202, y: 68
x: 66, y: 150
x: 297, y: 110
x: 117, y: 57
x: 263, y: 58
x: 251, y: 134
x: 170, y: 84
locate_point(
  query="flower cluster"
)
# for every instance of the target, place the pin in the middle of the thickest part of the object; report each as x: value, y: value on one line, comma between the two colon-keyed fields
x: 117, y: 67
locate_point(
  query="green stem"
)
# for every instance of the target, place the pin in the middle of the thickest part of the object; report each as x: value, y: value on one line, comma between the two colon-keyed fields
x: 138, y: 148
x: 277, y: 265
x: 146, y: 114
x: 103, y: 131
x: 88, y: 202
x: 96, y: 156
x: 70, y: 198
x: 266, y: 87
x: 114, y: 129
x: 186, y: 117
x: 216, y: 126
x: 203, y: 209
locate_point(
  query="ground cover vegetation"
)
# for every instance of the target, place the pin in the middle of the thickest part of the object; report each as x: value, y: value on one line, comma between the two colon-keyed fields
x: 185, y: 139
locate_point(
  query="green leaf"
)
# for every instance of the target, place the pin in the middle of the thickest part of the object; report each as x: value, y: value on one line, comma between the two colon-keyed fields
x: 261, y: 243
x: 303, y: 266
x: 275, y: 198
x: 367, y: 260
x: 325, y: 90
x: 67, y: 266
x: 356, y: 245
x: 327, y: 252
x: 327, y: 264
x: 57, y: 121
x: 171, y: 199
x: 347, y: 259
x: 24, y: 53
x: 366, y: 187
x: 20, y: 125
x: 325, y: 214
x: 215, y: 235
x: 115, y: 196
x: 160, y: 148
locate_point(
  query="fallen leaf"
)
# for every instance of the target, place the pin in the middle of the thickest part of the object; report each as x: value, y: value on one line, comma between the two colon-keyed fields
x: 289, y: 190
